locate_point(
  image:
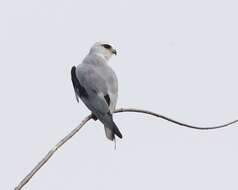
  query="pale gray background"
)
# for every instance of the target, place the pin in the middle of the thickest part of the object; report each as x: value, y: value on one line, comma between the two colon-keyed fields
x: 178, y: 58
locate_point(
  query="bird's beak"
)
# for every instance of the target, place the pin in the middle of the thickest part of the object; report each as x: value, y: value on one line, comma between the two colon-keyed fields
x: 114, y: 51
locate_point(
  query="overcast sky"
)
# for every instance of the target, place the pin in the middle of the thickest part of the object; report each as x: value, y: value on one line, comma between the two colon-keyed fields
x: 177, y: 58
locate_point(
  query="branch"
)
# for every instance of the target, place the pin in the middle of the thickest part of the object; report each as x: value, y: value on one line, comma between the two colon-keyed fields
x: 86, y: 119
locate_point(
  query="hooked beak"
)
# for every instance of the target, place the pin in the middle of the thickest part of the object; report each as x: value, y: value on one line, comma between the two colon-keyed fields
x: 114, y: 51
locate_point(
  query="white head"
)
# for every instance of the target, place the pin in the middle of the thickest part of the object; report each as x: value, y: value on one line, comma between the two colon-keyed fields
x: 103, y: 49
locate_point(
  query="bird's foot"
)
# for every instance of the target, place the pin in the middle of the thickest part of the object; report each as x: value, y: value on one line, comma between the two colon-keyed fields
x: 94, y: 117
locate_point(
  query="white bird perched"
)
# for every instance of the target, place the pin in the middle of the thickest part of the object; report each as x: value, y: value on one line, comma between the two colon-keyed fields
x: 95, y: 83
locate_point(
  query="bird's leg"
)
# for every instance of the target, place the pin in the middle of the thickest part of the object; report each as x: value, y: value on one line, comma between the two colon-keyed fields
x: 94, y: 117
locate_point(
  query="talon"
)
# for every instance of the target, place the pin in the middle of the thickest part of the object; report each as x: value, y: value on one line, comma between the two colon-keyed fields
x: 94, y: 117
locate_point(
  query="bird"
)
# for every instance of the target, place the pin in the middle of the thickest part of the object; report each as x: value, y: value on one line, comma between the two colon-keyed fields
x: 96, y: 84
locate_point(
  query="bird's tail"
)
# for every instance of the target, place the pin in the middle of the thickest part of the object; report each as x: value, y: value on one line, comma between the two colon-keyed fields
x: 111, y: 130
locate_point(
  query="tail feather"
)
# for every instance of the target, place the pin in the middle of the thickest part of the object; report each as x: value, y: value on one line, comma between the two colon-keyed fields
x: 111, y: 131
x: 116, y: 131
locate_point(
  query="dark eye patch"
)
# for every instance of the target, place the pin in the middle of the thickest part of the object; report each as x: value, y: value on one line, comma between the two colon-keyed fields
x: 107, y: 46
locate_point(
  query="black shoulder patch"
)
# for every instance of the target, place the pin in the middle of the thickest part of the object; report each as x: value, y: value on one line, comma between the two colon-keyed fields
x: 78, y: 88
x: 107, y: 98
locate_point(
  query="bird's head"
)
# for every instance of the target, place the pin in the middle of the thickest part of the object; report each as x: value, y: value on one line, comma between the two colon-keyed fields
x: 103, y: 49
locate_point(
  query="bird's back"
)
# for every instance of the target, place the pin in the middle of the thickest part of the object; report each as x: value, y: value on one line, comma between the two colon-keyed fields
x: 95, y: 73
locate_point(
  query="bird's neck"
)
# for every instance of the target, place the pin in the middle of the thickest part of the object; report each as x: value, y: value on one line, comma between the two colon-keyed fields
x: 104, y: 57
x: 96, y: 58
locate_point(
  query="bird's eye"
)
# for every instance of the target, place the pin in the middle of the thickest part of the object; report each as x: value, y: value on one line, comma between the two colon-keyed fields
x: 107, y: 46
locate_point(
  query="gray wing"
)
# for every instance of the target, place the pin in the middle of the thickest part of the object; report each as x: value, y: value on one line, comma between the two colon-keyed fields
x: 97, y: 98
x: 96, y: 85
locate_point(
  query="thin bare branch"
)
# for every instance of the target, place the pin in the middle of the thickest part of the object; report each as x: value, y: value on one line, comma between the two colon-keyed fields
x: 172, y: 120
x: 74, y: 131
x: 51, y: 152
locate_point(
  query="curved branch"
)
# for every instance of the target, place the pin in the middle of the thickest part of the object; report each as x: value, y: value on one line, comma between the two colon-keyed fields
x: 86, y: 119
x: 172, y: 120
